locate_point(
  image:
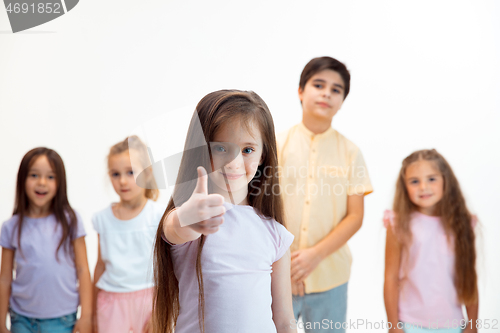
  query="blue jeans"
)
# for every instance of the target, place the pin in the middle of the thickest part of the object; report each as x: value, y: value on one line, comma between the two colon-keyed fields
x: 322, y: 312
x: 22, y: 324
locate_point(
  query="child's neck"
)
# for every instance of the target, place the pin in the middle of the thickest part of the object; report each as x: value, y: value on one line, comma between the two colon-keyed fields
x: 317, y: 126
x: 429, y: 211
x: 236, y: 198
x: 38, y: 212
x: 126, y: 210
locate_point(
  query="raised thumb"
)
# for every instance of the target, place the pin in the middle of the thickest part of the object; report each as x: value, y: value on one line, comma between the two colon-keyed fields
x: 202, y: 183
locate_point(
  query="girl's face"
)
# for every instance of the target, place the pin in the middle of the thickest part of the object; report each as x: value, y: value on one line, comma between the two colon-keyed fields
x: 425, y: 185
x: 122, y: 176
x: 323, y: 95
x: 235, y: 175
x: 41, y: 184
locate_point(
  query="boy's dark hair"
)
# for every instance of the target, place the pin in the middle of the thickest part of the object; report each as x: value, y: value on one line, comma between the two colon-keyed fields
x: 317, y: 65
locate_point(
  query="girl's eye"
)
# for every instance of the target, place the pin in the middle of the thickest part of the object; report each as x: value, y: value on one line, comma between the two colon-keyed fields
x: 248, y: 150
x: 432, y: 179
x: 33, y: 175
x: 336, y: 91
x: 319, y: 86
x: 131, y: 173
x: 52, y: 177
x: 115, y: 174
x: 220, y: 149
x: 414, y: 182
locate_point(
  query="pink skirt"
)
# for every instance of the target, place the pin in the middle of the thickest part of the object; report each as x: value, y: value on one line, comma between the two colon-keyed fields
x: 124, y: 312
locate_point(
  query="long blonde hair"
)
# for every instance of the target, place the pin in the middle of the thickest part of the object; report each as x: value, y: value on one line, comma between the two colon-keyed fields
x: 456, y: 219
x: 133, y: 142
x: 211, y: 113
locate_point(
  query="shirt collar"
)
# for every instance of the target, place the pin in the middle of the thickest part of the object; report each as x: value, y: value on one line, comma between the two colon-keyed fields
x: 303, y: 129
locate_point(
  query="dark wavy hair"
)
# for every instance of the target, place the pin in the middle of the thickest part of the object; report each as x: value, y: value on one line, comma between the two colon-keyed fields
x: 60, y: 206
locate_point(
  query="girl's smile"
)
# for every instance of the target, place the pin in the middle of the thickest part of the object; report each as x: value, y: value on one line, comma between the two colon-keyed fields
x: 425, y: 184
x: 41, y: 186
x: 231, y: 180
x: 231, y: 176
x: 41, y: 194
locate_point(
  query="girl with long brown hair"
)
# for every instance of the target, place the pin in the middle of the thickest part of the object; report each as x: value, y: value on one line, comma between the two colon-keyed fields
x: 222, y: 261
x: 430, y: 261
x: 44, y: 244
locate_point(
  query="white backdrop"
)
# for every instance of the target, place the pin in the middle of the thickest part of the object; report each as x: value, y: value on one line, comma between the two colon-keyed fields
x: 424, y: 75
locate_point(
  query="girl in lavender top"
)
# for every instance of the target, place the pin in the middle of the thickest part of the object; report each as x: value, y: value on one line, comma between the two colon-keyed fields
x: 44, y: 244
x: 430, y: 257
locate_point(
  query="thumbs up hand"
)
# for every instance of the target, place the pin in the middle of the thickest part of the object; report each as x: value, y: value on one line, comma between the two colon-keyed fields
x: 202, y: 212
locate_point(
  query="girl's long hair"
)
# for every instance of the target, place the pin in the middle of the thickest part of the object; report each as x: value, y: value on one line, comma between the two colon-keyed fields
x: 213, y: 111
x: 60, y: 206
x: 456, y: 219
x: 141, y: 151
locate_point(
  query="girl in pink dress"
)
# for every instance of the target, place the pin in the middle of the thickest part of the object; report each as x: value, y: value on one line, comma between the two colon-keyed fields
x: 430, y: 250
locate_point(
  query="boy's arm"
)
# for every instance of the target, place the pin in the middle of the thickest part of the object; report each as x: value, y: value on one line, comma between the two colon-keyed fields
x: 5, y: 283
x: 345, y: 229
x: 305, y: 261
x: 391, y: 283
x: 281, y: 292
x: 84, y: 324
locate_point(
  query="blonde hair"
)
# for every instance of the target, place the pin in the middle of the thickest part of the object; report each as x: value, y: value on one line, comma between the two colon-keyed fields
x: 455, y: 217
x: 133, y: 142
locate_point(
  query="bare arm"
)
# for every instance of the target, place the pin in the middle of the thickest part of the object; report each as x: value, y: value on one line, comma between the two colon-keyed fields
x: 281, y: 291
x: 345, y: 229
x: 5, y: 282
x: 99, y: 269
x: 306, y: 260
x: 176, y: 234
x: 84, y: 324
x: 391, y: 284
x: 472, y: 314
x: 200, y: 214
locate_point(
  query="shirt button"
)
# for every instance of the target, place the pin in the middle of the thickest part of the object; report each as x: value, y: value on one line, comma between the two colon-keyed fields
x: 307, y: 202
x: 314, y: 150
x: 304, y: 229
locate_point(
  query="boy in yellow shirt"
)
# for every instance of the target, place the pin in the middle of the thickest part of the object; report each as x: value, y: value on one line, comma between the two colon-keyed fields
x: 324, y: 181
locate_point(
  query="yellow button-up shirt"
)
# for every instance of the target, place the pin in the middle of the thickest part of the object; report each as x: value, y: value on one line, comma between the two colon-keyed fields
x: 317, y: 173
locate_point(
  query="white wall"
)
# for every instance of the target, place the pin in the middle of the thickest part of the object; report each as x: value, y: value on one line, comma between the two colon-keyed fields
x: 424, y: 75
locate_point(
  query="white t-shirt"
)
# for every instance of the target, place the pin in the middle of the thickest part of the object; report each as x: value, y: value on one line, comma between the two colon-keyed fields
x: 127, y: 248
x: 236, y: 264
